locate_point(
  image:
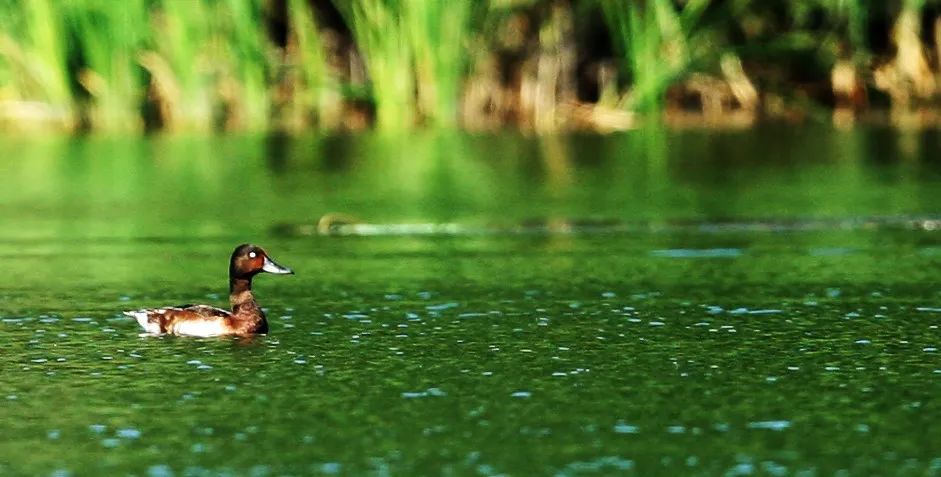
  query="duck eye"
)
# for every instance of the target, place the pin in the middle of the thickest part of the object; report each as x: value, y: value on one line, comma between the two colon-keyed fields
x: 251, y: 254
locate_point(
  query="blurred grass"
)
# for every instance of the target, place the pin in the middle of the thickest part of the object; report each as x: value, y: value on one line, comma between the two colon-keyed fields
x: 109, y: 35
x: 381, y: 36
x: 243, y: 44
x: 316, y: 97
x: 657, y: 44
x: 257, y: 65
x: 416, y: 55
x: 440, y: 36
x: 180, y: 65
x: 33, y: 55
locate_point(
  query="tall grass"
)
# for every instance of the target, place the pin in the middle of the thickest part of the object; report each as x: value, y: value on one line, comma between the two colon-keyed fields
x: 33, y: 57
x: 180, y: 65
x: 120, y: 65
x: 382, y: 41
x: 109, y: 37
x: 439, y: 33
x: 243, y: 59
x: 316, y: 90
x: 416, y: 55
x: 657, y: 44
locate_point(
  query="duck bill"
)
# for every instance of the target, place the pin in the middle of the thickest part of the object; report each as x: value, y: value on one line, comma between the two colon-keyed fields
x: 271, y: 267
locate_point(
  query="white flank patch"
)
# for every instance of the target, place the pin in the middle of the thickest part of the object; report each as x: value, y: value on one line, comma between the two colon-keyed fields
x: 199, y: 328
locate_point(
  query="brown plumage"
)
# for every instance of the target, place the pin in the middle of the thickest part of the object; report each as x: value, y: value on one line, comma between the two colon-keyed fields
x: 246, y: 317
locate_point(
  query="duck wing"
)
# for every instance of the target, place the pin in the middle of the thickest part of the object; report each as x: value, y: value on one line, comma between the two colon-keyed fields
x: 191, y: 320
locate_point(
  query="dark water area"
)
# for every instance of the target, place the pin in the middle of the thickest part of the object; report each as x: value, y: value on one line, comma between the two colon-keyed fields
x: 763, y: 302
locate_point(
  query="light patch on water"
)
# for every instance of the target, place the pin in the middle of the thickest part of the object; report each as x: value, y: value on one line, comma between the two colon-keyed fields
x: 430, y: 392
x: 769, y: 311
x: 770, y: 425
x: 521, y: 394
x: 110, y: 442
x: 471, y: 315
x: 774, y: 469
x: 742, y: 468
x: 747, y: 311
x: 697, y: 253
x: 928, y: 309
x: 442, y: 306
x: 600, y: 465
x: 128, y: 433
x: 160, y: 470
x: 625, y: 428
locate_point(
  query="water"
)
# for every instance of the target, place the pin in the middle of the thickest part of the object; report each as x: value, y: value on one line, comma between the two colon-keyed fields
x: 749, y: 303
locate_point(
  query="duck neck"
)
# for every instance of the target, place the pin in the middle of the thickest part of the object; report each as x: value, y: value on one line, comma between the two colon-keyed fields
x: 241, y: 298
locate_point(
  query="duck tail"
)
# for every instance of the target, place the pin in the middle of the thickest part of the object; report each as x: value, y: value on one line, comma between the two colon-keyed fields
x: 143, y: 319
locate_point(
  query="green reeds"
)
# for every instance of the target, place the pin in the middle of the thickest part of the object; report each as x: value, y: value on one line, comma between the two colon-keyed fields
x: 109, y: 36
x: 316, y: 96
x: 180, y: 66
x: 439, y: 33
x: 34, y: 62
x: 242, y: 61
x: 209, y: 65
x: 656, y: 42
x: 116, y: 65
x: 416, y: 54
x: 183, y: 64
x: 382, y: 41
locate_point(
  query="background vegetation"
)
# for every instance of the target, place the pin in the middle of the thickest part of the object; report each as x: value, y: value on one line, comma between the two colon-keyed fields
x: 542, y: 65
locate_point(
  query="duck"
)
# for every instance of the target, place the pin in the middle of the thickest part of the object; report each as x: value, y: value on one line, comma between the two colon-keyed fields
x: 246, y: 317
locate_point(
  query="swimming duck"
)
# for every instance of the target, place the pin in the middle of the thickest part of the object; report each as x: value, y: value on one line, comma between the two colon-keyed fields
x: 246, y: 318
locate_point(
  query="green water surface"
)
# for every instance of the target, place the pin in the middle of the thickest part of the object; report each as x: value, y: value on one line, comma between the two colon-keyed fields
x: 764, y: 302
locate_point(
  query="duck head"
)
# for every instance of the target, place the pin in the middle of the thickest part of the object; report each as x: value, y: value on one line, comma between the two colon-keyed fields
x: 249, y: 260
